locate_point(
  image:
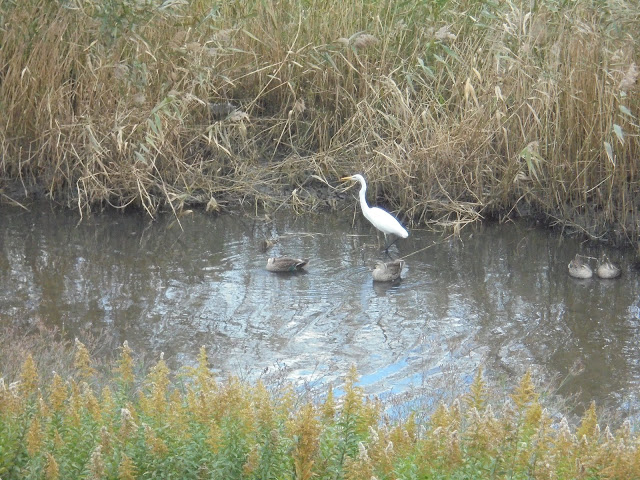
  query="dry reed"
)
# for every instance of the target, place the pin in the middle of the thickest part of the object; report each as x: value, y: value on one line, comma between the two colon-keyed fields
x: 455, y: 111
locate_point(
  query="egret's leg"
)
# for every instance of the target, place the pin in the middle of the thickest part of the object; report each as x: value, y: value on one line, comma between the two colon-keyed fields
x: 387, y: 245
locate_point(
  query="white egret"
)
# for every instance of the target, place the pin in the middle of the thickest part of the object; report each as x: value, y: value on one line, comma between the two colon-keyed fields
x: 286, y: 264
x: 388, y: 272
x: 381, y: 219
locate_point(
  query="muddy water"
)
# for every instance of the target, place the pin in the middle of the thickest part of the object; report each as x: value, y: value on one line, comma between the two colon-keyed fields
x: 499, y: 296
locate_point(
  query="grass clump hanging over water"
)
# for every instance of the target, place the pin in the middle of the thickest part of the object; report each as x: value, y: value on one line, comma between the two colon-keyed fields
x: 454, y: 110
x: 126, y: 425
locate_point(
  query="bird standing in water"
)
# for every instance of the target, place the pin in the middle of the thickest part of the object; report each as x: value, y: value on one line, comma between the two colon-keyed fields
x: 379, y: 218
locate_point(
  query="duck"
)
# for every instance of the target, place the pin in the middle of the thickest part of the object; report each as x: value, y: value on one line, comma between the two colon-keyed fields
x: 606, y: 269
x: 267, y: 243
x: 286, y: 264
x: 388, y: 272
x: 579, y: 269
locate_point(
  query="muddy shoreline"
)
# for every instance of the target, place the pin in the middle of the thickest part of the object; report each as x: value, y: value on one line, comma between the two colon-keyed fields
x: 316, y: 197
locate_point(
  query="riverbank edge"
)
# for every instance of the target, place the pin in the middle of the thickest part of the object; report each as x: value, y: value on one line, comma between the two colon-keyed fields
x: 316, y: 196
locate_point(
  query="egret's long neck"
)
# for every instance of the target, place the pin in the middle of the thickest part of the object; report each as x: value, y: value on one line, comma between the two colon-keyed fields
x: 363, y: 198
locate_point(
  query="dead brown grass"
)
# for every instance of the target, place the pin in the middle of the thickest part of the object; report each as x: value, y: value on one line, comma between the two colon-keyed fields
x: 454, y: 111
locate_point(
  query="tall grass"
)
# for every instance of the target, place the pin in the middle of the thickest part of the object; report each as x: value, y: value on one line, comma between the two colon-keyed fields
x: 122, y: 424
x: 454, y: 110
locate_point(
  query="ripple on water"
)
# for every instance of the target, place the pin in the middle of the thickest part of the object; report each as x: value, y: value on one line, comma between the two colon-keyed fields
x: 500, y: 296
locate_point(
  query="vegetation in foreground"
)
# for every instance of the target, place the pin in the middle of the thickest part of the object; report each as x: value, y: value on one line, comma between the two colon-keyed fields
x: 123, y: 425
x: 454, y: 110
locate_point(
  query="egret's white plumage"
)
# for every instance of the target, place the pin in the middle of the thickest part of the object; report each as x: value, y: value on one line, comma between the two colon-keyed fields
x: 379, y: 218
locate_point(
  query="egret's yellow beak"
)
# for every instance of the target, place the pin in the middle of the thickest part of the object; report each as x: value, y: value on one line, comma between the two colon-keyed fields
x: 343, y: 179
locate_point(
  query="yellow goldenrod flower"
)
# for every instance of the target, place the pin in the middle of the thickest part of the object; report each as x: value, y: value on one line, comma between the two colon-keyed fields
x: 57, y: 393
x: 34, y: 437
x: 125, y: 365
x: 28, y: 377
x: 126, y: 469
x: 51, y: 472
x: 82, y: 361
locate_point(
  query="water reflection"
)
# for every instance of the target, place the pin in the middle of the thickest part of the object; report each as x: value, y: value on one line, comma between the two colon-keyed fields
x: 500, y: 296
